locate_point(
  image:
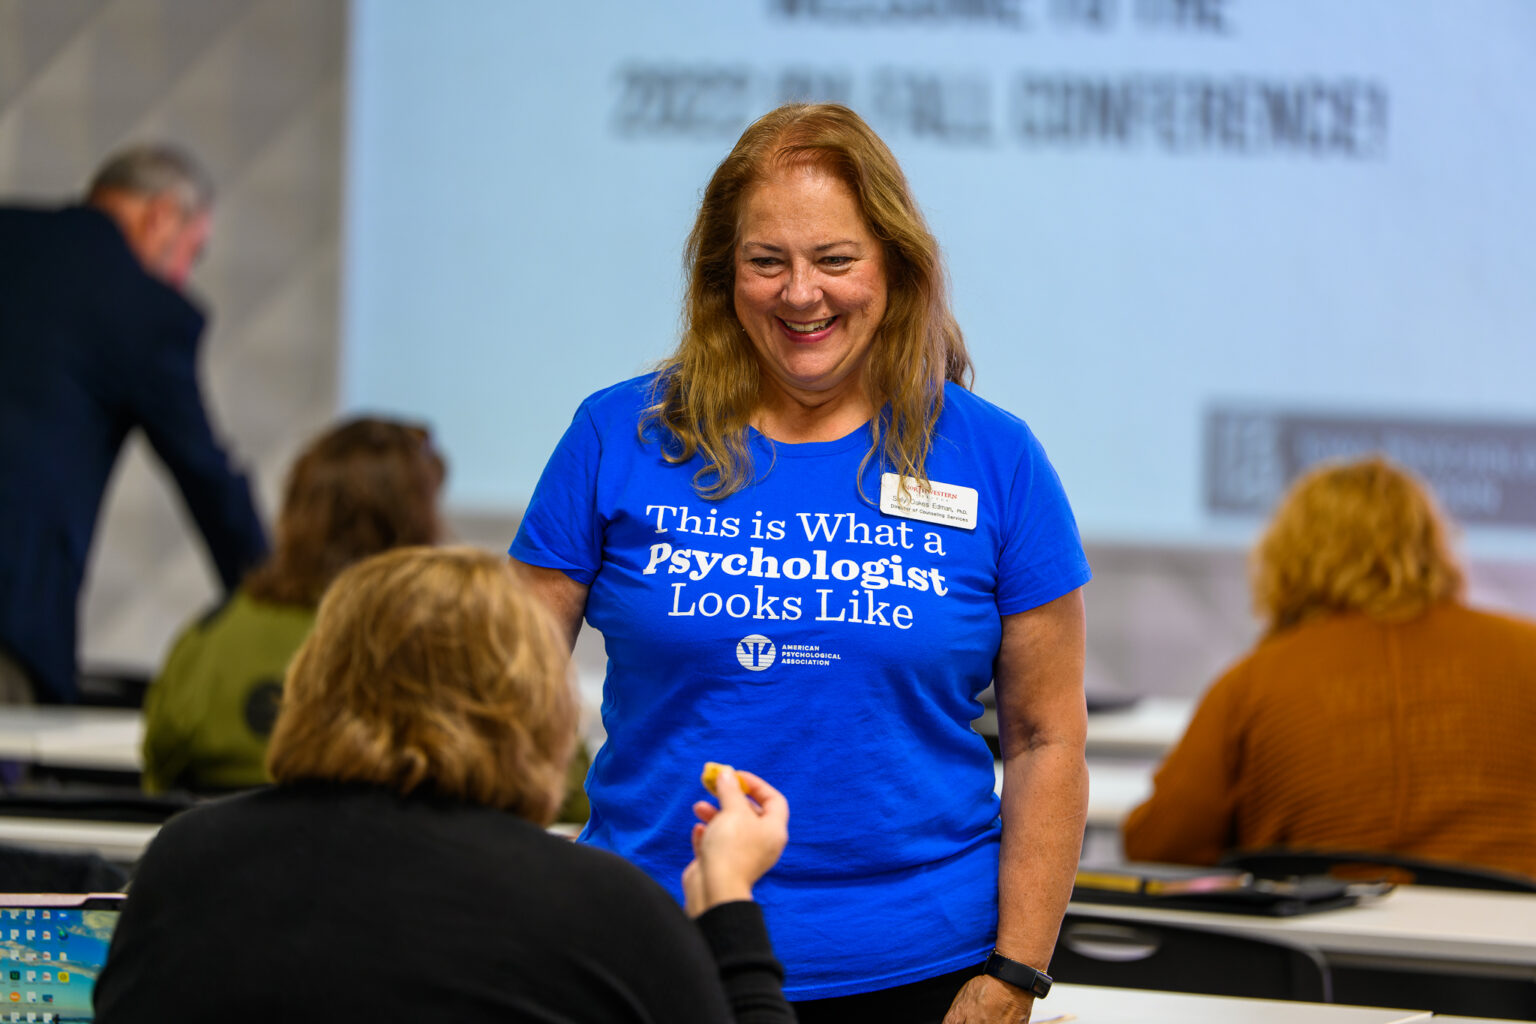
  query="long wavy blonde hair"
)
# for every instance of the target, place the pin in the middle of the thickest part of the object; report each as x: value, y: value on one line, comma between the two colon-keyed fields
x: 1362, y: 536
x: 707, y: 390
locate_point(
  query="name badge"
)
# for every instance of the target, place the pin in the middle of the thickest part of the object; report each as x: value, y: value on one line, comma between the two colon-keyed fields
x: 944, y: 504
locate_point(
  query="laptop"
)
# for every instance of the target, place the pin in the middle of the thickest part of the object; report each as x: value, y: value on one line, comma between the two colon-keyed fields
x: 52, y: 948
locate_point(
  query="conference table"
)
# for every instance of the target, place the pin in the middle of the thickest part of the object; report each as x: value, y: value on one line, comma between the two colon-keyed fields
x: 1093, y: 1004
x: 108, y: 740
x: 1482, y: 945
x: 91, y: 738
x: 1412, y: 923
x: 104, y: 739
x: 122, y: 842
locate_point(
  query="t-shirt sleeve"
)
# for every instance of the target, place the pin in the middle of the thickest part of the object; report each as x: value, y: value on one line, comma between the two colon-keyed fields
x: 1042, y: 555
x: 561, y: 528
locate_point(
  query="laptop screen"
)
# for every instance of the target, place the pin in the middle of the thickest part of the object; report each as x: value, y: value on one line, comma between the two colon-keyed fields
x: 51, y: 955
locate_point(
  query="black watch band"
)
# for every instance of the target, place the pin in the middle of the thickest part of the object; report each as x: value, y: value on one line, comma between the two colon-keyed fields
x: 1015, y: 973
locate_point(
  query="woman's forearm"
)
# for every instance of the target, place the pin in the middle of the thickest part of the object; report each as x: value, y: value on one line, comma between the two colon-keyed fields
x: 1045, y: 803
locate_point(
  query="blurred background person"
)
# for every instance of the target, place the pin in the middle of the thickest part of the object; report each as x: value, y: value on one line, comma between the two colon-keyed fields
x: 1378, y: 713
x: 400, y: 869
x: 362, y: 487
x: 97, y: 339
x: 819, y: 365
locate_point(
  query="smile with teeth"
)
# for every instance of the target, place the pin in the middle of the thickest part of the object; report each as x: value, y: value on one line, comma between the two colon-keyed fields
x: 808, y: 328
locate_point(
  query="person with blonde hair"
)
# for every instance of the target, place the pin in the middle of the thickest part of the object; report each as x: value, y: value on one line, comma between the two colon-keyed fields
x: 809, y: 548
x: 399, y: 868
x: 1378, y: 712
x: 363, y: 486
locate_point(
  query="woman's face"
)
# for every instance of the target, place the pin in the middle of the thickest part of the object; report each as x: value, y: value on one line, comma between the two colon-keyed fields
x: 810, y: 283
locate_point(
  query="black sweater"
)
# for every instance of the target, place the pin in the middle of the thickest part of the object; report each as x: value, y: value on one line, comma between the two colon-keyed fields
x: 327, y: 903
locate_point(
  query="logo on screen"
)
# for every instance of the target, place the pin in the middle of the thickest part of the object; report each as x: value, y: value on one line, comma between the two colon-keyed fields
x: 756, y: 652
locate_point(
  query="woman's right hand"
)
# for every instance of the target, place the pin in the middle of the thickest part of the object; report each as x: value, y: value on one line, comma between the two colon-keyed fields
x: 735, y: 843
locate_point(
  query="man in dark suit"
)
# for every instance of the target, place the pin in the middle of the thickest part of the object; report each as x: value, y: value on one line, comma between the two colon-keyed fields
x: 96, y: 339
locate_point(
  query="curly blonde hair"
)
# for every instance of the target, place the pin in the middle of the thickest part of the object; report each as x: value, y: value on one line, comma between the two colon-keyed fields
x: 431, y: 669
x: 1362, y: 536
x: 708, y: 388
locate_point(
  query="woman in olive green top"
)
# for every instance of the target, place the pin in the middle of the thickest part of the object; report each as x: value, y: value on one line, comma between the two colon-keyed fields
x: 361, y: 488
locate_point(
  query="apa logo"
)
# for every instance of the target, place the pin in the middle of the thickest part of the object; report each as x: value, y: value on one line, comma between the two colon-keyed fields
x: 756, y: 652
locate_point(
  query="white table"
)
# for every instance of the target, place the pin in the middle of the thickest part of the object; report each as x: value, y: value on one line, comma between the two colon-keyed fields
x: 1147, y: 730
x: 120, y: 841
x: 1493, y: 931
x: 1092, y: 1004
x: 73, y: 737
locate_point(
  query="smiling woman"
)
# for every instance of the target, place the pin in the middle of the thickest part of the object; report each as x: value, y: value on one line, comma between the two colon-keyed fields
x: 715, y: 521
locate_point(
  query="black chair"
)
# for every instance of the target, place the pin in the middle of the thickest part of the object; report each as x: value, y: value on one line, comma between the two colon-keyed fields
x: 1355, y: 865
x: 1176, y: 958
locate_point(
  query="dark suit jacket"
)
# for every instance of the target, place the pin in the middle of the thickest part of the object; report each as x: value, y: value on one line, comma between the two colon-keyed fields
x: 92, y: 346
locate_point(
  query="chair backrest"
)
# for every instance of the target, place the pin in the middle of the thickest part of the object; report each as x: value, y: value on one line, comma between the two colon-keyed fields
x: 1176, y: 958
x: 1357, y: 865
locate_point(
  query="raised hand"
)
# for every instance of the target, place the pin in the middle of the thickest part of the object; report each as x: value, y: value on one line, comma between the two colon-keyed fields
x: 735, y: 843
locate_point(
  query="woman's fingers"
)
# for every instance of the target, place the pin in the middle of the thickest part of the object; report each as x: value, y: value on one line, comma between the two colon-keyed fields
x: 728, y: 789
x: 694, y: 900
x: 770, y: 800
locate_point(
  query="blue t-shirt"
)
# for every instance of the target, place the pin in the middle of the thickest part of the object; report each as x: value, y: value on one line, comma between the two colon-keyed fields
x: 794, y: 630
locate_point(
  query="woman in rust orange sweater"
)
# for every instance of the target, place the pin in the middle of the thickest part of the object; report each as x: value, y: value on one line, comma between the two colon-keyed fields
x: 1377, y: 713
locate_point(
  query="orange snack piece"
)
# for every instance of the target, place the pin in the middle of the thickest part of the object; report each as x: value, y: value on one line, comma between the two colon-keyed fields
x: 712, y: 774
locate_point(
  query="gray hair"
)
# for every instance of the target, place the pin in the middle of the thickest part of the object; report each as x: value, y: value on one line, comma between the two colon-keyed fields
x: 153, y: 169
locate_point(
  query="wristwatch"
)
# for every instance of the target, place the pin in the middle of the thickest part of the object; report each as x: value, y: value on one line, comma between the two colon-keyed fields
x: 1015, y: 973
